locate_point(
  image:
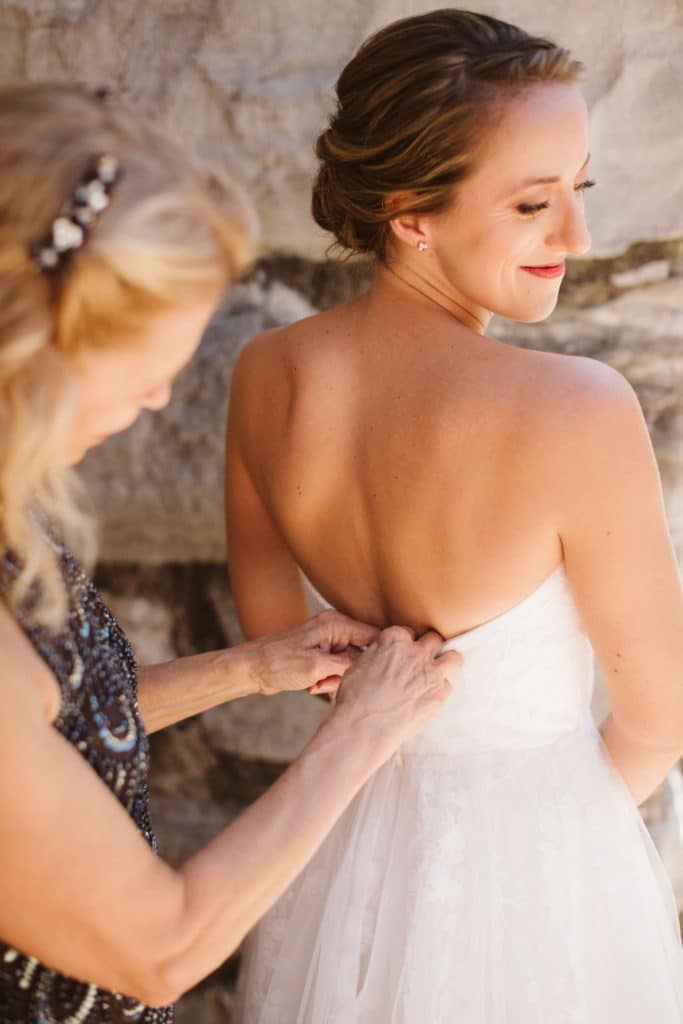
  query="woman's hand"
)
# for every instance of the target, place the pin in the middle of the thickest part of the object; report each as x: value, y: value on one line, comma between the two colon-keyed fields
x: 312, y: 656
x: 121, y: 918
x: 396, y: 687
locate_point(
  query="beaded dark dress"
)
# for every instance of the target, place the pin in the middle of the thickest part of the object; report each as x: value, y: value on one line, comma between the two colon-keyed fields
x: 95, y: 667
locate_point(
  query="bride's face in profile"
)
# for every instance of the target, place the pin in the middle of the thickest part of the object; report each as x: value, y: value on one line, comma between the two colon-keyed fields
x: 501, y: 245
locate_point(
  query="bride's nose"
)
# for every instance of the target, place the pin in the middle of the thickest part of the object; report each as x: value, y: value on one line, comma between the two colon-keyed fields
x: 571, y: 233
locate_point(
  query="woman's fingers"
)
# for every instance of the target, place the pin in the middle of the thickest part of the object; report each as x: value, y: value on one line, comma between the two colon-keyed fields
x: 332, y: 631
x: 336, y: 662
x: 318, y: 654
x: 449, y: 661
x: 396, y: 634
x: 328, y: 685
x: 431, y: 642
x: 398, y: 685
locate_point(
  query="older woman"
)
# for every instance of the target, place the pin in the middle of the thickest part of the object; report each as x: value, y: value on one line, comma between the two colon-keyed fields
x: 496, y: 870
x: 114, y: 251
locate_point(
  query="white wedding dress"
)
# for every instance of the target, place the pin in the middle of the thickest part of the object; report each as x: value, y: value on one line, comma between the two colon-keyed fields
x: 495, y: 871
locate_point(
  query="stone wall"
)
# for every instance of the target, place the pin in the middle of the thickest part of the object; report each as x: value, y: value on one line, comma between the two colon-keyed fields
x: 248, y: 84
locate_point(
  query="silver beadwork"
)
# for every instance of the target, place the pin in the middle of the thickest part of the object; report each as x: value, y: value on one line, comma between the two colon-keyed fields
x: 66, y: 234
x: 100, y: 718
x: 68, y: 231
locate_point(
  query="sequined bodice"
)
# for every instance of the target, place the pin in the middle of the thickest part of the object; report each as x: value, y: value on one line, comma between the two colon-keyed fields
x: 95, y: 668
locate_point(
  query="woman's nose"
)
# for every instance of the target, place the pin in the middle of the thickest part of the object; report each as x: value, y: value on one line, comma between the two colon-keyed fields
x: 572, y: 234
x: 158, y: 399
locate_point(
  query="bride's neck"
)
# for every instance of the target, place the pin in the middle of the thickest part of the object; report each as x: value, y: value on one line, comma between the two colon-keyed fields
x: 414, y: 284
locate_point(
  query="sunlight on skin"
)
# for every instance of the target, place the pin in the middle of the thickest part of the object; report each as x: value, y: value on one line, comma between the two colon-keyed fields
x: 521, y: 207
x: 116, y: 383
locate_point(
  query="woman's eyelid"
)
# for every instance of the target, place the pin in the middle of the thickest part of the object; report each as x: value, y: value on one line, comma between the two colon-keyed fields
x: 528, y: 208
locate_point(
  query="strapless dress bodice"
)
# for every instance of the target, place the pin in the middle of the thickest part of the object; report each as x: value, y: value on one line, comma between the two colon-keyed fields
x: 526, y: 677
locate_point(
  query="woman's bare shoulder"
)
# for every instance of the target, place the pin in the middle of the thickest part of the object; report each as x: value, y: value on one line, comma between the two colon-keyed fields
x: 581, y: 414
x: 274, y: 369
x: 25, y: 680
x: 275, y: 360
x: 565, y: 409
x: 558, y: 383
x: 294, y: 338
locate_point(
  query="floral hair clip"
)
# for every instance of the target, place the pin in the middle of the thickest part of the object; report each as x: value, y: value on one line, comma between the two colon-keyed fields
x: 70, y: 227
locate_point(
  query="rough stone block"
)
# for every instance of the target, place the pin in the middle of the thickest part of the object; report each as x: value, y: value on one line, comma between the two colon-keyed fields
x: 266, y: 728
x: 250, y: 86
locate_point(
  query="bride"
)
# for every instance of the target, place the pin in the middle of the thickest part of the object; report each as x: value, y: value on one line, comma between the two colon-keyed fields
x: 418, y: 472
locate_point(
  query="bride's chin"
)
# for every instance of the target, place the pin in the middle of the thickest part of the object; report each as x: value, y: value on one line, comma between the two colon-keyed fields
x: 530, y: 313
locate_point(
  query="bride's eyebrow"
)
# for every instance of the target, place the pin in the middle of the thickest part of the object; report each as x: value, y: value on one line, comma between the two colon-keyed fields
x: 552, y: 180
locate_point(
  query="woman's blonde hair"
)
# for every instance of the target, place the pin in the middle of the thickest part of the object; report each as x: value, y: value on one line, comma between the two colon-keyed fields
x: 413, y: 108
x: 174, y: 233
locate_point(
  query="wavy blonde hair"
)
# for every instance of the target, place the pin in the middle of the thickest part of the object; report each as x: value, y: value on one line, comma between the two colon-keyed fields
x: 173, y: 234
x: 413, y: 108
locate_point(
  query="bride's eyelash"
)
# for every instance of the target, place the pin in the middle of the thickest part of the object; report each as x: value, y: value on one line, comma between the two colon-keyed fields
x: 528, y: 209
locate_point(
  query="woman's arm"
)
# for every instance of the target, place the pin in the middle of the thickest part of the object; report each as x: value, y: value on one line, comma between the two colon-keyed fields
x: 264, y: 577
x: 82, y: 891
x: 322, y: 647
x: 175, y: 690
x: 622, y: 569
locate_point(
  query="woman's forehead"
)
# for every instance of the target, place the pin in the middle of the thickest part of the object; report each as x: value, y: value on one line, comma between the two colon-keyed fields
x: 540, y: 137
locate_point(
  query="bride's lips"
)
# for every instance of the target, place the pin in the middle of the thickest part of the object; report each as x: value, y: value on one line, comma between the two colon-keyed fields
x: 551, y: 270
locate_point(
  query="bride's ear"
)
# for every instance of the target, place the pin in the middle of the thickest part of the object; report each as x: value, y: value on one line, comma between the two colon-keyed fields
x: 410, y: 229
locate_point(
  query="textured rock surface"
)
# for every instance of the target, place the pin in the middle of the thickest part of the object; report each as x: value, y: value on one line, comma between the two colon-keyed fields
x: 273, y: 729
x: 148, y: 625
x: 159, y: 487
x: 249, y: 85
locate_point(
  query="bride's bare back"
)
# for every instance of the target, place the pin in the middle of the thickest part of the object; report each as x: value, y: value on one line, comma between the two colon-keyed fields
x: 432, y: 477
x: 423, y: 474
x: 409, y: 474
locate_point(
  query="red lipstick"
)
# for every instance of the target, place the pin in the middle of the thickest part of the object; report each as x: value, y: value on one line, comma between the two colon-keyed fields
x: 551, y: 270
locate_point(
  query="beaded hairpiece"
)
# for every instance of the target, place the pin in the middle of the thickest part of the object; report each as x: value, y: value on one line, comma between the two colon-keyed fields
x: 70, y: 227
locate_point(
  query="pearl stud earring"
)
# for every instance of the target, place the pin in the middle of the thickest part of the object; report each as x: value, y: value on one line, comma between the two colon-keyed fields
x: 421, y: 246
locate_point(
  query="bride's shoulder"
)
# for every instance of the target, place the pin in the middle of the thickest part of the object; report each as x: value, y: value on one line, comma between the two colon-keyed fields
x: 291, y: 343
x: 559, y: 383
x: 274, y: 367
x: 573, y: 420
x: 580, y: 409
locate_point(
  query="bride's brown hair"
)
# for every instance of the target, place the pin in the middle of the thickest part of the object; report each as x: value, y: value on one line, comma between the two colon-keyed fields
x: 414, y: 105
x: 173, y: 234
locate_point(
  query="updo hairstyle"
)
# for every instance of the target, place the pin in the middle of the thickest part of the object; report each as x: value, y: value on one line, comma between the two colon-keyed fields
x: 413, y: 107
